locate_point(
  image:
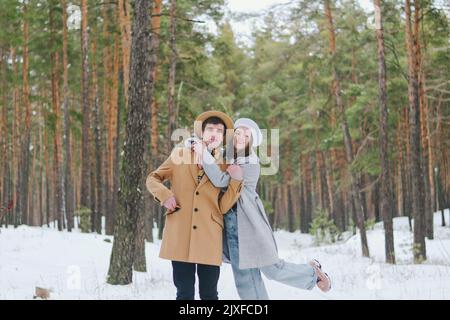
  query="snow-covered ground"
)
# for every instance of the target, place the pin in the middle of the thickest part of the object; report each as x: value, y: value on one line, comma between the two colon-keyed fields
x: 74, y: 265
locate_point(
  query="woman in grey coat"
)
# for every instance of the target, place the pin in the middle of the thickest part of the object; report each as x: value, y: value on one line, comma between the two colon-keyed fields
x: 249, y: 243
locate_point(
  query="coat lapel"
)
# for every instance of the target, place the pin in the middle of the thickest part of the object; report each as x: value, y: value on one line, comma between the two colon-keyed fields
x: 203, y: 181
x: 192, y: 166
x: 193, y: 169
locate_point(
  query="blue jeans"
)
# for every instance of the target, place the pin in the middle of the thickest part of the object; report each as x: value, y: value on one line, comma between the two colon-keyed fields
x: 249, y: 282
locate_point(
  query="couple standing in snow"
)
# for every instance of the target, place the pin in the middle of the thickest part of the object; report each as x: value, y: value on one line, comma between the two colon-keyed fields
x: 214, y: 214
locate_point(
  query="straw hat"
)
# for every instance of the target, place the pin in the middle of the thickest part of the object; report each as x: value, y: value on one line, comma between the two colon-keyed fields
x: 209, y: 114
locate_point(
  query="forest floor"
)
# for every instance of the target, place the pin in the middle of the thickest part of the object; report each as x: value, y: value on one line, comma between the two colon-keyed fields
x: 74, y: 265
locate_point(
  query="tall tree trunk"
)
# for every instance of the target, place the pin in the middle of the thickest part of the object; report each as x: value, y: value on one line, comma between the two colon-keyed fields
x: 330, y: 184
x: 139, y: 263
x: 68, y: 183
x: 172, y: 71
x: 407, y: 171
x: 315, y: 186
x: 431, y: 146
x: 156, y: 30
x: 6, y: 150
x: 133, y: 168
x: 57, y: 146
x: 41, y: 170
x: 287, y: 181
x: 346, y: 133
x: 307, y: 216
x: 16, y: 141
x: 25, y: 152
x: 171, y: 92
x: 386, y: 206
x: 288, y: 207
x: 117, y: 160
x: 292, y: 206
x: 85, y: 143
x: 153, y: 208
x: 322, y: 178
x: 302, y: 204
x: 443, y: 169
x: 3, y: 131
x: 415, y: 152
x: 423, y: 110
x: 113, y: 136
x: 47, y: 179
x: 107, y: 80
x: 439, y: 136
x: 399, y: 171
x: 276, y: 206
x: 97, y: 159
x: 339, y: 205
x: 32, y: 199
x: 375, y: 200
x: 125, y: 31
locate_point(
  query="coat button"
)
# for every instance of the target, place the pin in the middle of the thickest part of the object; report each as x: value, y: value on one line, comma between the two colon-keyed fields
x: 196, y: 209
x: 194, y: 227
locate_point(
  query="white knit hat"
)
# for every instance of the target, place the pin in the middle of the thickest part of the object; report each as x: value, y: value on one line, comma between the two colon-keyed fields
x: 253, y: 126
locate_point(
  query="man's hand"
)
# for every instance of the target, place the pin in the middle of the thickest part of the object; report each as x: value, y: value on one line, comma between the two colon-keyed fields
x: 235, y: 172
x: 170, y: 203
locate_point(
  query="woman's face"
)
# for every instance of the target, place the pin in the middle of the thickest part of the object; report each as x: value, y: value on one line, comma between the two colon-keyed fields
x: 242, y: 137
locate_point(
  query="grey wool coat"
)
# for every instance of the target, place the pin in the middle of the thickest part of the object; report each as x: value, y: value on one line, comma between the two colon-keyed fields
x: 257, y: 246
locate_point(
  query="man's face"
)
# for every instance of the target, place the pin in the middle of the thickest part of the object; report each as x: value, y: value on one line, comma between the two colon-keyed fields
x: 213, y: 135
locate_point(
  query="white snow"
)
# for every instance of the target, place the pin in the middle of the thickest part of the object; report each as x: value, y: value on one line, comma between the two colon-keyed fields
x: 74, y: 265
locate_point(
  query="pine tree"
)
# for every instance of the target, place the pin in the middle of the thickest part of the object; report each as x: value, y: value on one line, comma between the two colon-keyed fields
x: 133, y: 170
x: 385, y: 189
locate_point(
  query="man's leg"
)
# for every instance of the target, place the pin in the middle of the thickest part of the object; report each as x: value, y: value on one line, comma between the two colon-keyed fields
x: 208, y: 276
x: 184, y: 279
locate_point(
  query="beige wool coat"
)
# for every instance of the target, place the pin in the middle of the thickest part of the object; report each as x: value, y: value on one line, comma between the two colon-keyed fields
x: 194, y: 232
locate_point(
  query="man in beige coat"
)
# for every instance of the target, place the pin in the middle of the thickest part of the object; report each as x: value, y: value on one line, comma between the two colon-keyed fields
x: 192, y: 236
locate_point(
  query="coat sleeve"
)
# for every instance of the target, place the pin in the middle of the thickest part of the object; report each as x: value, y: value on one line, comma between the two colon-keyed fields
x: 155, y: 179
x: 219, y: 178
x: 228, y: 198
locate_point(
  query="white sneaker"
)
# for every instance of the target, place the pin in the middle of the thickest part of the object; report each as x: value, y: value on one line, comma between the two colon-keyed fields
x: 323, y: 279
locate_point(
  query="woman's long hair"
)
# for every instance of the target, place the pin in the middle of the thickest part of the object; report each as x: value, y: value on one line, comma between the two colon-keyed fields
x: 231, y: 153
x: 242, y: 153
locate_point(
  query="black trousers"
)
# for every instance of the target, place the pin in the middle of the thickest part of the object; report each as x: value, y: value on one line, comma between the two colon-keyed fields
x: 184, y: 280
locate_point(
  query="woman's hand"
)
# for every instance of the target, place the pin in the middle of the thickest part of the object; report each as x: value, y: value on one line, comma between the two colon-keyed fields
x: 198, y: 148
x: 235, y: 172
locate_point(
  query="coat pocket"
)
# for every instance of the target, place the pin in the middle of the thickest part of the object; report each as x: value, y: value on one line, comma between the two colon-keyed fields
x: 218, y: 220
x: 169, y: 212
